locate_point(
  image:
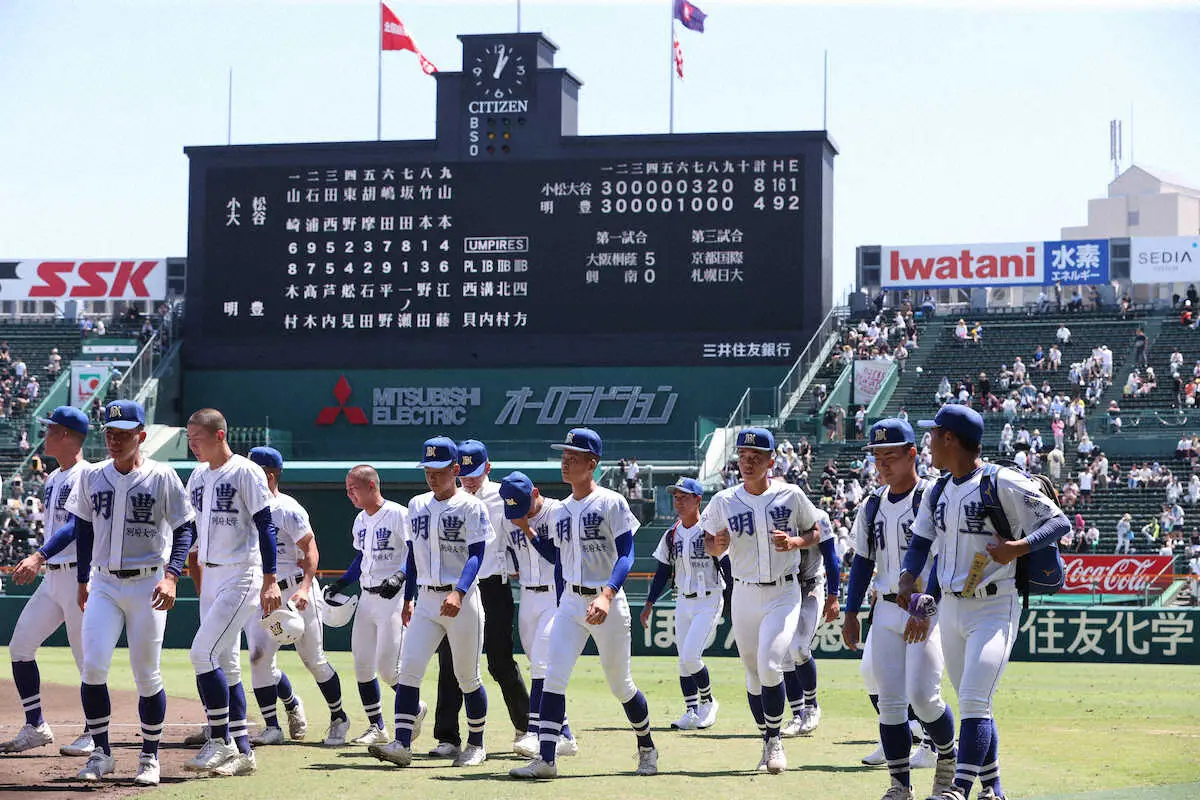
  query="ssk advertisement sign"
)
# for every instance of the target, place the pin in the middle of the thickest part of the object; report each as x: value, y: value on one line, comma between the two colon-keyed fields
x: 136, y: 279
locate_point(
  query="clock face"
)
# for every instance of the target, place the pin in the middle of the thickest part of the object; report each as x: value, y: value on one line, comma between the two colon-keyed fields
x: 500, y: 72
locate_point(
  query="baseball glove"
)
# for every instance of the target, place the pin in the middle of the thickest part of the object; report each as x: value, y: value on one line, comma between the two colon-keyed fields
x: 391, y: 586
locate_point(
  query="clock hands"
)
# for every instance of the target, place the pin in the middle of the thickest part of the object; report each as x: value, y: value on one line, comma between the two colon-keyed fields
x: 501, y: 62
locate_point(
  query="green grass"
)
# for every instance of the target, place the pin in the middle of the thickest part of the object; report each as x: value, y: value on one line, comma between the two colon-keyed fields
x: 1122, y: 732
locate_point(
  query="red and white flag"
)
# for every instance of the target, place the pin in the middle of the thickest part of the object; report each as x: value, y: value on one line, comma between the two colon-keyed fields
x: 394, y: 36
x: 678, y: 59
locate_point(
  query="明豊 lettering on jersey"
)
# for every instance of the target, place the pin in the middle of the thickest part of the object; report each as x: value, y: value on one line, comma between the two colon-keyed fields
x: 452, y: 529
x: 973, y: 517
x: 591, y: 523
x: 781, y: 518
x: 562, y: 529
x: 198, y: 499
x: 742, y: 524
x: 383, y: 542
x: 225, y: 495
x: 102, y: 504
x: 141, y: 507
x: 420, y: 526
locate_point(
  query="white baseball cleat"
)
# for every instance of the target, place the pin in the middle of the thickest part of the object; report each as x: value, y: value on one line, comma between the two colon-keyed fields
x: 373, y: 735
x: 534, y: 770
x: 339, y: 729
x: 214, y: 753
x: 898, y: 792
x: 422, y: 710
x: 82, y: 746
x: 393, y: 752
x: 943, y: 775
x: 444, y: 750
x: 148, y: 772
x: 690, y: 721
x: 197, y: 738
x: 267, y: 736
x: 924, y: 757
x: 708, y: 714
x: 762, y: 762
x: 776, y: 758
x: 241, y: 764
x: 793, y: 727
x: 647, y: 761
x: 810, y: 718
x: 988, y: 793
x: 471, y: 756
x: 876, y: 758
x: 297, y: 722
x: 98, y: 765
x: 952, y: 793
x: 29, y: 737
x: 528, y: 745
x: 566, y: 747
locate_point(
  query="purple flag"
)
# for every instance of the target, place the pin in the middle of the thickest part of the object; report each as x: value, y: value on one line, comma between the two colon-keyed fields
x: 690, y: 15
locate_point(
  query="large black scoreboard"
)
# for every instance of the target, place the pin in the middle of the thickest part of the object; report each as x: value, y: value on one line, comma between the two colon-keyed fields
x: 508, y: 241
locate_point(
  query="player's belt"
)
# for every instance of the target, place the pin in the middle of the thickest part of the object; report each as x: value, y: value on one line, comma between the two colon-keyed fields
x: 982, y: 591
x: 789, y: 578
x: 585, y: 591
x: 890, y: 598
x: 694, y: 595
x: 126, y: 574
x: 536, y: 588
x: 287, y: 582
x: 445, y: 587
x: 68, y: 565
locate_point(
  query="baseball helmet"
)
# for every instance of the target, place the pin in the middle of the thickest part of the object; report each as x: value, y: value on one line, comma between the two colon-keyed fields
x: 337, y: 609
x: 284, y: 624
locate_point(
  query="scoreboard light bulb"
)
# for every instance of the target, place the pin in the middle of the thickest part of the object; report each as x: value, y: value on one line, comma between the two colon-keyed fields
x: 505, y: 148
x: 507, y: 135
x: 491, y: 148
x: 507, y: 122
x: 492, y: 134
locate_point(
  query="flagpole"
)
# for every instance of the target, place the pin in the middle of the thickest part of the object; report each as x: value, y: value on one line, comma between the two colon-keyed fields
x: 379, y: 81
x: 825, y: 96
x: 518, y: 21
x: 671, y: 50
x: 229, y: 111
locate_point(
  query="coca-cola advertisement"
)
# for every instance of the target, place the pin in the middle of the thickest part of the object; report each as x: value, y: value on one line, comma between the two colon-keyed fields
x: 1112, y: 574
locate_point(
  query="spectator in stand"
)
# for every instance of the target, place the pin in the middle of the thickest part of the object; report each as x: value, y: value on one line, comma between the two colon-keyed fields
x: 100, y: 329
x: 1167, y: 548
x: 960, y: 331
x: 1063, y: 335
x: 1140, y: 344
x: 1076, y: 300
x: 1018, y: 370
x: 928, y: 305
x: 1079, y: 527
x: 23, y: 444
x: 1095, y: 298
x: 1183, y: 448
x: 632, y: 470
x: 1193, y: 491
x: 944, y: 392
x: 976, y: 333
x: 1021, y: 459
x: 1125, y: 534
x: 902, y: 414
x: 840, y: 415
x: 1114, y: 416
x: 1043, y: 302
x: 54, y: 363
x: 829, y: 421
x: 984, y: 387
x: 1174, y: 490
x: 901, y: 355
x: 1100, y: 470
x: 1058, y: 295
x: 1176, y: 362
x: 1039, y: 358
x: 1035, y: 441
x: 1057, y: 428
x: 1176, y: 517
x: 1006, y: 439
x: 1187, y: 317
x: 1022, y: 438
x: 860, y: 422
x: 1055, y: 358
x: 1085, y: 447
x: 1091, y: 538
x: 1086, y: 480
x: 1055, y: 461
x: 19, y: 370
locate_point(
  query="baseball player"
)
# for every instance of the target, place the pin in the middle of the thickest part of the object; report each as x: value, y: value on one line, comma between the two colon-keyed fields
x: 820, y: 579
x: 593, y: 530
x: 296, y: 559
x: 54, y: 602
x: 128, y: 513
x: 380, y: 534
x: 763, y: 525
x: 527, y: 516
x: 497, y: 599
x: 924, y: 754
x: 449, y: 530
x: 912, y: 673
x: 236, y: 545
x: 699, y: 602
x: 980, y: 608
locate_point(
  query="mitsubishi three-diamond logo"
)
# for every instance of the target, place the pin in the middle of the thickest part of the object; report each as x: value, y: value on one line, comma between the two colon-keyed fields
x: 341, y: 393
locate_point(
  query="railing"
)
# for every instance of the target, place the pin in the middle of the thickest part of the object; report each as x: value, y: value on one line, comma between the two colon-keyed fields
x: 789, y: 390
x: 1154, y: 583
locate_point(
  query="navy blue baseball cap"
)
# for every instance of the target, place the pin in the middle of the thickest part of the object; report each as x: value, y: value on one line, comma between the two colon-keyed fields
x: 439, y: 452
x: 68, y: 417
x: 267, y: 457
x: 517, y: 492
x: 472, y: 458
x: 889, y: 433
x: 756, y: 439
x: 124, y: 415
x: 582, y: 440
x: 688, y: 486
x: 963, y: 422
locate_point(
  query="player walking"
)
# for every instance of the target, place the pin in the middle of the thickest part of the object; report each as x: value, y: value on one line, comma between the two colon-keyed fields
x: 380, y: 533
x: 296, y: 558
x: 763, y: 525
x: 127, y: 513
x: 980, y: 607
x: 55, y: 600
x: 699, y: 601
x: 593, y: 530
x: 449, y: 531
x: 236, y: 542
x: 496, y: 597
x: 528, y: 515
x: 911, y: 673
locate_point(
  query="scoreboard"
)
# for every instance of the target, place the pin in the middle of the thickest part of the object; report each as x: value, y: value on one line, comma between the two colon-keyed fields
x: 633, y: 250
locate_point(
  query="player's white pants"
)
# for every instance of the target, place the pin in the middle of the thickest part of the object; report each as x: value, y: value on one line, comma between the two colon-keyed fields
x: 54, y: 603
x: 696, y: 621
x: 908, y: 673
x: 569, y: 632
x: 812, y: 604
x: 376, y: 638
x: 428, y: 627
x: 764, y: 625
x: 977, y: 639
x: 264, y: 671
x: 867, y: 667
x: 228, y: 599
x: 533, y: 624
x: 114, y: 604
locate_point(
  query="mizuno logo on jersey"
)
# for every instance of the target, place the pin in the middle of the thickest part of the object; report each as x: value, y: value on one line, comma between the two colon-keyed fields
x: 102, y: 504
x: 591, y: 523
x: 383, y: 539
x: 452, y: 529
x: 780, y: 518
x: 742, y: 524
x: 141, y: 507
x: 420, y: 527
x: 224, y: 502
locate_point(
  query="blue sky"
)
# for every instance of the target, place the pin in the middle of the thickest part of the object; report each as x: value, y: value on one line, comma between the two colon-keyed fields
x: 955, y: 124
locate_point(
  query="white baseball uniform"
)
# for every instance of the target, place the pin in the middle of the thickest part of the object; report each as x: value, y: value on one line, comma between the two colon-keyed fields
x: 698, y: 593
x: 226, y: 500
x: 766, y: 596
x: 133, y: 516
x: 55, y: 600
x: 495, y: 555
x: 440, y: 532
x: 538, y: 594
x: 378, y: 632
x: 585, y: 532
x: 811, y: 576
x: 292, y: 525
